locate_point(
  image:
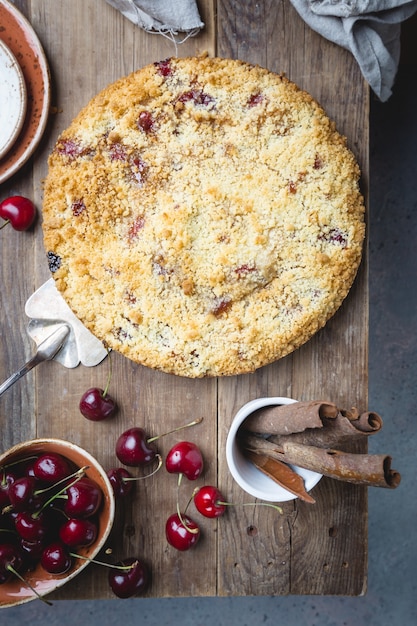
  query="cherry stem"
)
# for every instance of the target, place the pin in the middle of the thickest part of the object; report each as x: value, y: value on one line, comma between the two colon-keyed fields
x: 59, y: 494
x: 193, y: 531
x: 5, y: 224
x: 159, y: 457
x: 221, y: 503
x: 63, y: 480
x: 110, y: 565
x: 16, y: 573
x: 272, y: 506
x: 106, y: 388
x: 25, y: 460
x: 174, y: 430
x: 8, y: 530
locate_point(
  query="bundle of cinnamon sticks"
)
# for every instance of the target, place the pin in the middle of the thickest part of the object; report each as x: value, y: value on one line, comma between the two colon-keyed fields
x: 312, y: 435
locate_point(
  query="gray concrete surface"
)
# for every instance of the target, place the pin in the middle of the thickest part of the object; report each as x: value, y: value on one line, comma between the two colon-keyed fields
x: 392, y: 578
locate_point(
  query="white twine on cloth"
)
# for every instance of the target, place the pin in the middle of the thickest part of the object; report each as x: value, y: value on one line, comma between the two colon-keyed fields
x: 370, y: 29
x: 163, y: 17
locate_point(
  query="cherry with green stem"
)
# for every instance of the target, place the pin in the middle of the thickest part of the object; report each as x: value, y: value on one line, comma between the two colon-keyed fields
x: 126, y: 578
x: 210, y: 502
x: 96, y: 404
x: 185, y: 458
x: 11, y: 561
x: 23, y: 494
x: 122, y: 480
x: 181, y: 531
x: 134, y: 447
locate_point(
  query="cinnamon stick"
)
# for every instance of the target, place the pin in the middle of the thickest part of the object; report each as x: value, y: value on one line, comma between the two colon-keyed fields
x: 282, y: 474
x: 290, y: 418
x: 361, y: 469
x: 335, y: 432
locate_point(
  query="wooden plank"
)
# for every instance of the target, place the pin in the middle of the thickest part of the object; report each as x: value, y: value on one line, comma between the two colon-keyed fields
x: 154, y: 401
x: 320, y: 548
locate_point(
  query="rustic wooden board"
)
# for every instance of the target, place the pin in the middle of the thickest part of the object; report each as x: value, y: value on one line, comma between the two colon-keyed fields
x: 320, y: 549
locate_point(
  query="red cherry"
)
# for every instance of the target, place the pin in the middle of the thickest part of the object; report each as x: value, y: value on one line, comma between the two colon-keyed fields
x: 96, y: 405
x: 209, y: 501
x: 132, y: 447
x: 130, y: 581
x: 185, y: 458
x: 182, y: 532
x: 19, y: 211
x: 78, y: 532
x: 118, y: 479
x: 10, y: 560
x: 32, y: 549
x: 7, y: 479
x: 51, y: 467
x: 84, y: 498
x: 146, y: 121
x: 22, y: 494
x: 55, y: 558
x: 32, y: 526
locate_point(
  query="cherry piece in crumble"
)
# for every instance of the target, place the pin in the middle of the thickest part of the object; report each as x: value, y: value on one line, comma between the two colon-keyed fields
x: 164, y: 67
x: 146, y: 122
x: 136, y: 227
x: 197, y: 96
x: 255, y: 99
x: 73, y: 149
x: 78, y: 207
x: 336, y: 236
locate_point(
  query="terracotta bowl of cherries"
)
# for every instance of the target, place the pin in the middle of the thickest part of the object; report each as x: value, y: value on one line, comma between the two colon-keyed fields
x: 56, y: 512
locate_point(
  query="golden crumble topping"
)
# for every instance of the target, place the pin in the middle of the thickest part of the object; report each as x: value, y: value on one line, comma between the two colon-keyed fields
x: 203, y: 216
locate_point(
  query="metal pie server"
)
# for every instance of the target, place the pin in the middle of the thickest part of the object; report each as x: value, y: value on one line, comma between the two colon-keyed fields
x: 45, y: 352
x: 58, y: 334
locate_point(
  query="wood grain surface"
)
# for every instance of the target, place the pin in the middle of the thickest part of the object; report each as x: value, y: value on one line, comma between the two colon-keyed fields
x: 309, y: 549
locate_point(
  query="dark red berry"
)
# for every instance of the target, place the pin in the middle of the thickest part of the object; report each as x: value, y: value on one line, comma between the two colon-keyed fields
x: 54, y: 262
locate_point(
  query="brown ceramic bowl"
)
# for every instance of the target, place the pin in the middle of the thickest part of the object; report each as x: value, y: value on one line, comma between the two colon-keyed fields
x: 16, y: 592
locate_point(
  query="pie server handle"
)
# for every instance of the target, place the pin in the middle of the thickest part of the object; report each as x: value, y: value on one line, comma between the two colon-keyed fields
x: 45, y: 352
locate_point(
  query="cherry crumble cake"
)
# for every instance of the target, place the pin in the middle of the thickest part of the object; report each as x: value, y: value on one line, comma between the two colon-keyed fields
x: 203, y: 217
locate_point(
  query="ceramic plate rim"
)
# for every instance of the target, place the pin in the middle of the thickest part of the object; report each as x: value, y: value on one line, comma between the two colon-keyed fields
x: 12, y: 78
x: 33, y: 43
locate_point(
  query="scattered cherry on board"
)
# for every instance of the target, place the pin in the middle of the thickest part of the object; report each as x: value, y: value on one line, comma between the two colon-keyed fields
x: 18, y: 211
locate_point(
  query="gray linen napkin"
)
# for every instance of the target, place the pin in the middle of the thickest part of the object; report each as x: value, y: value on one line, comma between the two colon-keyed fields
x: 166, y: 17
x: 370, y: 29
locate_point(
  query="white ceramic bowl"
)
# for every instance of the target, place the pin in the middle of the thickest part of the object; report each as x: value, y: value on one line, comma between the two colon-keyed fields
x: 249, y: 477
